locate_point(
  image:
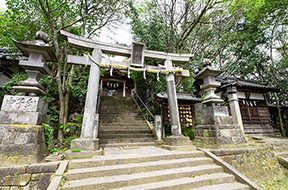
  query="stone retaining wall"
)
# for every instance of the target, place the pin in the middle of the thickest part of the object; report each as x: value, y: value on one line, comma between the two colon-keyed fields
x: 259, y: 164
x: 37, y: 176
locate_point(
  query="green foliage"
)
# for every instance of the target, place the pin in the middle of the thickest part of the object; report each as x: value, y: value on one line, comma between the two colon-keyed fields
x: 65, y: 128
x: 224, y: 103
x: 48, y: 133
x: 6, y: 89
x: 167, y: 130
x: 76, y: 150
x: 188, y: 132
x: 57, y: 149
x: 17, y: 25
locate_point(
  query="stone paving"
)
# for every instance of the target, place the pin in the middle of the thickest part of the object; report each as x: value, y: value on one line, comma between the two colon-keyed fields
x: 139, y: 151
x: 271, y: 139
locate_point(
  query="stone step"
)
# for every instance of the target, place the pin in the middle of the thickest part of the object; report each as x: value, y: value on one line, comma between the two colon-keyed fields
x: 136, y: 144
x: 124, y: 128
x: 186, y: 183
x: 77, y: 174
x: 116, y: 106
x: 125, y: 140
x: 225, y: 186
x: 124, y: 122
x: 102, y: 161
x: 126, y: 132
x: 119, y: 114
x: 121, y: 118
x: 116, y: 135
x: 116, y: 109
x: 112, y: 98
x: 108, y: 182
x: 281, y: 149
x: 282, y: 154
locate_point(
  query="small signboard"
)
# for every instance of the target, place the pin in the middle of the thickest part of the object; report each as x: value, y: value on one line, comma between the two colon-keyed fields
x: 137, y: 55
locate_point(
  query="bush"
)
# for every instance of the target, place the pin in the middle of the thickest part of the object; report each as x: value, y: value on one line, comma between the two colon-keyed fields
x: 188, y: 132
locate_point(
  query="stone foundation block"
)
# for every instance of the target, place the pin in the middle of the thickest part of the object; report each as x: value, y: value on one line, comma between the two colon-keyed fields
x: 177, y: 141
x: 24, y: 103
x: 23, y: 118
x: 24, y: 110
x: 22, y: 144
x: 85, y: 144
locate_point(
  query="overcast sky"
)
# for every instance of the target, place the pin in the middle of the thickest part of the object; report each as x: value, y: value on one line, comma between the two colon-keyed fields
x: 2, y: 4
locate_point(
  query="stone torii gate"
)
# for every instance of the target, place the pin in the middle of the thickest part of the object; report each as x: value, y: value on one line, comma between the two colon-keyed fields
x: 88, y: 140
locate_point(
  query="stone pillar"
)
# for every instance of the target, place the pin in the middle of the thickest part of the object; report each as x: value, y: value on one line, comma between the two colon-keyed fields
x: 124, y: 89
x: 88, y: 124
x: 172, y: 101
x: 235, y: 110
x: 158, y: 127
x: 89, y: 132
x: 176, y: 139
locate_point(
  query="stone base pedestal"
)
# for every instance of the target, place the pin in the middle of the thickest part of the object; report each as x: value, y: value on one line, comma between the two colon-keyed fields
x: 22, y: 144
x: 85, y: 144
x: 24, y: 110
x: 177, y: 141
x: 216, y: 128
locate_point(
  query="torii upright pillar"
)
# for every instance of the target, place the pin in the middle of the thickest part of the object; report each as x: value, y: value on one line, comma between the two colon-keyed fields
x: 176, y: 139
x: 89, y: 140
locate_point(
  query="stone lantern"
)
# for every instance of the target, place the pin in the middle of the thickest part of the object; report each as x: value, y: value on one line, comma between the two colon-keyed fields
x: 22, y: 116
x: 38, y: 52
x: 216, y: 128
x: 208, y: 75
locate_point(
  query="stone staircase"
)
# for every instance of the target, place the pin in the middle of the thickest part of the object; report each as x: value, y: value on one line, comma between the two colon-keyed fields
x: 157, y: 169
x: 122, y: 125
x: 282, y: 154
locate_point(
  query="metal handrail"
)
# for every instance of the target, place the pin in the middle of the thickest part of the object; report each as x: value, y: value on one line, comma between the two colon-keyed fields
x: 99, y: 99
x: 143, y: 104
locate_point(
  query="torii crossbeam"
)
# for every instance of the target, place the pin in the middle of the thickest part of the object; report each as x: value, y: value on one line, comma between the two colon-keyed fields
x: 89, y: 125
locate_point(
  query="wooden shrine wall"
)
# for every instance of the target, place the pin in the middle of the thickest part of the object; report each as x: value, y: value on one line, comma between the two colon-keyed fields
x: 255, y: 116
x: 186, y: 114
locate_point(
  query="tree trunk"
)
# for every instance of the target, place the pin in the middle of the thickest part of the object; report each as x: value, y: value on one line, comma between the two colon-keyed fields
x: 67, y: 94
x: 279, y: 116
x: 59, y: 66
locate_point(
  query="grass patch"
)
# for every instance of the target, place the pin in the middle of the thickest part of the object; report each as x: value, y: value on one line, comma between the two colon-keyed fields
x: 76, y: 150
x: 280, y: 182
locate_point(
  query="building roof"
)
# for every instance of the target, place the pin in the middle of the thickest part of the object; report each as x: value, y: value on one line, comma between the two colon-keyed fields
x: 240, y: 82
x: 180, y: 96
x: 6, y: 54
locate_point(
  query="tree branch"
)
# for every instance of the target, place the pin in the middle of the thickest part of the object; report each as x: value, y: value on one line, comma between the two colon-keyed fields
x: 58, y: 6
x: 63, y: 27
